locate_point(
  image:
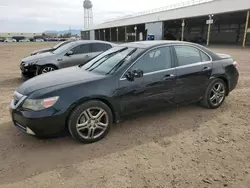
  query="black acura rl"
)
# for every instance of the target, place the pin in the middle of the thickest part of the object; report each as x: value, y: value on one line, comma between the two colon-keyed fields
x: 127, y: 79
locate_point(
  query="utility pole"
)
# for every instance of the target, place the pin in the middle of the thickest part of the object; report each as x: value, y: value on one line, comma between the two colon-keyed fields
x: 209, y: 22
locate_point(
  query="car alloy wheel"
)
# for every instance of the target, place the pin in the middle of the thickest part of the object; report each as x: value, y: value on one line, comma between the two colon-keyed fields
x: 217, y: 94
x: 92, y: 123
x: 47, y: 69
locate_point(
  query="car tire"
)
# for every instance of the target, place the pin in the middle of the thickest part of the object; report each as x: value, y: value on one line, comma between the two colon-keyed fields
x: 215, y: 94
x: 90, y: 121
x: 46, y: 68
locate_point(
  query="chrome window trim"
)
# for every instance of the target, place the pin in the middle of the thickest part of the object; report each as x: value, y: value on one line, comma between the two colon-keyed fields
x: 154, y: 72
x: 166, y: 45
x: 169, y: 45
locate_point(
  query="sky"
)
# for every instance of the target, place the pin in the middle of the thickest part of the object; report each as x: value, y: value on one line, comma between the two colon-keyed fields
x: 40, y: 15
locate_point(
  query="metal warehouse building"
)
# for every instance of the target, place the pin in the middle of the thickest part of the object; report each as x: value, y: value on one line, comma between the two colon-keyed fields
x: 211, y: 21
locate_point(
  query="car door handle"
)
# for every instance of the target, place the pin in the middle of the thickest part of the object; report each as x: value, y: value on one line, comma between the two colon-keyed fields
x: 168, y: 76
x: 206, y: 68
x: 59, y: 59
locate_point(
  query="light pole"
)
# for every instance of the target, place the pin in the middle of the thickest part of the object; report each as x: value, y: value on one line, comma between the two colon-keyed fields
x: 104, y: 35
x: 209, y: 22
x: 117, y: 37
x: 135, y: 28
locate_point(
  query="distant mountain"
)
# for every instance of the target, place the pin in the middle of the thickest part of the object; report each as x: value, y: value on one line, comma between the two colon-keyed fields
x: 73, y: 32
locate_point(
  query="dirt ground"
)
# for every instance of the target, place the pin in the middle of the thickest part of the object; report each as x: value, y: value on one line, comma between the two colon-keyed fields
x: 186, y: 147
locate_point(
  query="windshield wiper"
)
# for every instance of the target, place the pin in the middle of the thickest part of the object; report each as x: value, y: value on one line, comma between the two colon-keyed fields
x: 108, y: 55
x: 118, y: 65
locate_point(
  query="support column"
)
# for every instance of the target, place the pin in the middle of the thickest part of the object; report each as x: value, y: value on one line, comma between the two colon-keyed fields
x: 125, y: 34
x: 99, y: 32
x: 110, y: 35
x: 135, y: 28
x: 209, y: 28
x: 182, y: 29
x: 246, y: 28
x: 104, y: 34
x: 117, y: 36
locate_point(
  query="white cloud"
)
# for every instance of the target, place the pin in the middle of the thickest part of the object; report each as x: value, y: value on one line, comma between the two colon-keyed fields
x: 40, y: 15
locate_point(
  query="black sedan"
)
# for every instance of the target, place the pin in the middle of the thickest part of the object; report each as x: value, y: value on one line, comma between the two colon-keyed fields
x: 124, y: 80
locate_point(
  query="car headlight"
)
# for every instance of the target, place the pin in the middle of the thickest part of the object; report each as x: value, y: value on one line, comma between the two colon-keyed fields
x: 39, y: 104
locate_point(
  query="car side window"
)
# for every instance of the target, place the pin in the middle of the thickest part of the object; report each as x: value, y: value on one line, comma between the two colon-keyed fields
x: 187, y: 55
x: 81, y: 49
x: 204, y: 57
x: 154, y: 60
x: 99, y: 47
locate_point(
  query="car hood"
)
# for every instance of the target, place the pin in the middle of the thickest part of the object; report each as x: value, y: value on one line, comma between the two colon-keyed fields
x: 72, y: 75
x: 43, y: 50
x: 38, y: 57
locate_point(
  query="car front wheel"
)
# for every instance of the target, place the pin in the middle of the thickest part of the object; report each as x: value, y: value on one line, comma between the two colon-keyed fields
x: 46, y: 69
x: 215, y: 94
x: 90, y: 121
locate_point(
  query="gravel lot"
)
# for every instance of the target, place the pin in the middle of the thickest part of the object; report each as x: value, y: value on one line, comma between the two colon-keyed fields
x: 185, y: 147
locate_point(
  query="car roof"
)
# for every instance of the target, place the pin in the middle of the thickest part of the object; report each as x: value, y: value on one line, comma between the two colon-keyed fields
x: 91, y: 41
x: 152, y: 43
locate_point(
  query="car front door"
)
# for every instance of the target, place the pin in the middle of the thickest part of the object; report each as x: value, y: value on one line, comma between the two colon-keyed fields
x: 155, y: 88
x: 193, y: 68
x: 80, y: 55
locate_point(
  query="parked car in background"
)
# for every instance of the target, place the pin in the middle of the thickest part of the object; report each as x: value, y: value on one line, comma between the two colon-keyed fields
x: 24, y: 40
x: 10, y: 40
x: 50, y: 49
x: 70, y: 54
x: 39, y: 40
x: 125, y: 80
x: 2, y: 39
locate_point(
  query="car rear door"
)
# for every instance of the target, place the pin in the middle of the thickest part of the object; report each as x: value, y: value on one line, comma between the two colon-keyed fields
x: 157, y: 86
x: 98, y: 48
x: 193, y: 70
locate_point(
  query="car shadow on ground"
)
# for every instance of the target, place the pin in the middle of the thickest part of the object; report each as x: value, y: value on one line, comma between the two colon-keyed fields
x: 41, y: 155
x: 12, y: 82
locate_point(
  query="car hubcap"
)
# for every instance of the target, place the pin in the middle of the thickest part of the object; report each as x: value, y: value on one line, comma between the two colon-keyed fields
x: 92, y: 123
x: 47, y: 69
x: 217, y: 94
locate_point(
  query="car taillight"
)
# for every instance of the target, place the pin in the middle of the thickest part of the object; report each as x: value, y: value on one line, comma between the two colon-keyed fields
x: 235, y: 64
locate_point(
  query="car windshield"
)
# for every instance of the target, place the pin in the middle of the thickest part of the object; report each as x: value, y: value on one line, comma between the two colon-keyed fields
x: 63, y: 48
x: 109, y: 61
x: 60, y: 44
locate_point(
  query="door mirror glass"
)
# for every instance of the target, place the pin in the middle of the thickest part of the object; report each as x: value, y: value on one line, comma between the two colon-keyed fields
x: 131, y: 75
x: 69, y: 53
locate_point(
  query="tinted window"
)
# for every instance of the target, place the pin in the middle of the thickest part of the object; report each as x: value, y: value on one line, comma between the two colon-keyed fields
x: 155, y: 60
x: 81, y: 49
x: 187, y: 55
x: 99, y: 47
x: 204, y: 57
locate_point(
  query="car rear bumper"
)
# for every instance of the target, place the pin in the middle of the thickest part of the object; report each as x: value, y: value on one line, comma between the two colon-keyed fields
x: 233, y: 80
x: 42, y: 123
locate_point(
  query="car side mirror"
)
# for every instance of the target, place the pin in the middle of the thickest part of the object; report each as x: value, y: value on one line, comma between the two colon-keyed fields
x: 131, y: 75
x: 69, y: 53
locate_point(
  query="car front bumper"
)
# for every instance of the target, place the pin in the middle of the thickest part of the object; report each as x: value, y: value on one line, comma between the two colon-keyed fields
x: 28, y: 70
x: 39, y: 123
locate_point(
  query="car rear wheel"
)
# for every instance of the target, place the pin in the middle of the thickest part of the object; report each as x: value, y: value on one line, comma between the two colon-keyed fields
x: 46, y: 69
x: 90, y: 121
x: 215, y: 94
